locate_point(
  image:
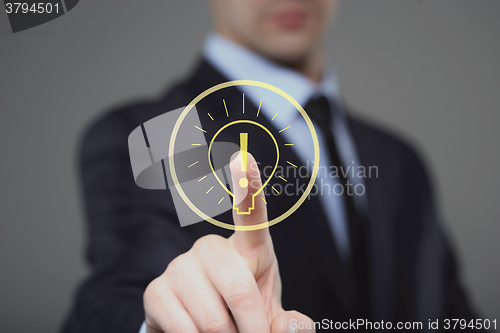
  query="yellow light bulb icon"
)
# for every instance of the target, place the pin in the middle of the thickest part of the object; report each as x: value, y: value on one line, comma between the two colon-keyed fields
x: 243, y: 182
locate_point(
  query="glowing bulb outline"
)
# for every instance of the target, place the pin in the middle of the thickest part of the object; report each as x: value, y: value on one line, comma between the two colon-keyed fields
x: 268, y: 179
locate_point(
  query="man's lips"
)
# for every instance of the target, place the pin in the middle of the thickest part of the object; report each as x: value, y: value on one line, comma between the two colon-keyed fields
x: 290, y: 19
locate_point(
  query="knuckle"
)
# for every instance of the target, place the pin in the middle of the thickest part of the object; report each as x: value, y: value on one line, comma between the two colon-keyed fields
x: 176, y: 264
x: 180, y: 266
x: 208, y: 242
x: 178, y: 270
x: 208, y: 246
x: 216, y: 325
x: 240, y: 294
x: 154, y: 289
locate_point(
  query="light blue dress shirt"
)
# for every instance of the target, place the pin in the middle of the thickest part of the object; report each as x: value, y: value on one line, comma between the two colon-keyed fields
x: 238, y: 63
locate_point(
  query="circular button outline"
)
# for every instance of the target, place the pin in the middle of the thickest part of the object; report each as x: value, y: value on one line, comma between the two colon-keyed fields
x: 193, y: 207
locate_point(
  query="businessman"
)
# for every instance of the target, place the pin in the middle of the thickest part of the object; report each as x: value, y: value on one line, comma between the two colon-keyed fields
x: 378, y: 256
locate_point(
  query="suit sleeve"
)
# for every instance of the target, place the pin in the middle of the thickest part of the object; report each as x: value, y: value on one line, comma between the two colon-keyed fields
x: 132, y: 233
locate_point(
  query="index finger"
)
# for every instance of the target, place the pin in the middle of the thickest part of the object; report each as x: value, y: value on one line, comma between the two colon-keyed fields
x: 250, y: 206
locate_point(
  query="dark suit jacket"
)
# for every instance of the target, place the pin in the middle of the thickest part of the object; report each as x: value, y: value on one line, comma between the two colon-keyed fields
x: 134, y: 233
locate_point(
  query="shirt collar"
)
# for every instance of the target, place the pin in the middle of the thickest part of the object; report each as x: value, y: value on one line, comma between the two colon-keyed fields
x: 238, y: 63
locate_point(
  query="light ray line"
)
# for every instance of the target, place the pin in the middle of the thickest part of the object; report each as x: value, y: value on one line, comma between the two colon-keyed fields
x: 291, y: 163
x: 285, y: 128
x: 201, y: 129
x: 220, y: 200
x: 199, y: 180
x: 275, y: 190
x: 288, y: 144
x: 264, y: 200
x: 286, y: 181
x: 225, y: 107
x: 210, y: 116
x: 210, y: 189
x: 193, y: 164
x: 258, y: 111
x: 274, y: 116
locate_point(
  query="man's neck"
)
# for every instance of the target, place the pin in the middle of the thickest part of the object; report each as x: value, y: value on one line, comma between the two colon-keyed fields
x: 311, y: 65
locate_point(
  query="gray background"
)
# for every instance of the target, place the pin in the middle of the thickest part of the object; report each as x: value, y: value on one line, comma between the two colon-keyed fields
x: 430, y: 69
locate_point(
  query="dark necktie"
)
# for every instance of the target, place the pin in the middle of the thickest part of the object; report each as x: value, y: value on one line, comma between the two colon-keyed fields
x: 320, y: 111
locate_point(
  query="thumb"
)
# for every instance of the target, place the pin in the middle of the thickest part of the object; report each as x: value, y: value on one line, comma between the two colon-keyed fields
x: 292, y: 322
x: 250, y: 209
